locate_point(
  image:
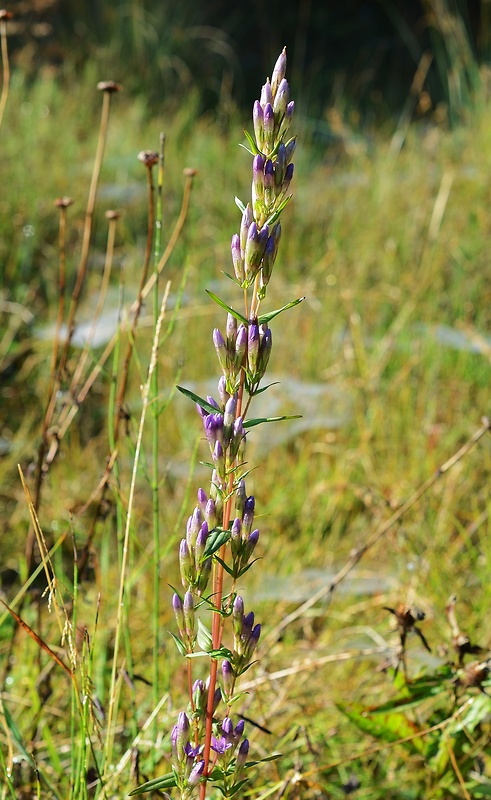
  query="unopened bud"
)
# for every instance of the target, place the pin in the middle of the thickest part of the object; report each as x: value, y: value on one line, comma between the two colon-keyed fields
x: 279, y: 71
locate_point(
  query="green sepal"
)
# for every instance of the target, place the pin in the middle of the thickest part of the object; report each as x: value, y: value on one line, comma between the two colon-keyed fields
x: 227, y: 569
x: 179, y: 644
x: 197, y: 399
x: 240, y: 205
x: 204, y: 637
x: 265, y: 318
x: 254, y: 151
x: 232, y: 791
x: 225, y: 307
x: 164, y: 782
x: 216, y: 539
x: 251, y: 423
x: 276, y: 213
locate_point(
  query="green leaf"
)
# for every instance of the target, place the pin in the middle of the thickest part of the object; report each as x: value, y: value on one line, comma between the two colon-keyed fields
x: 265, y: 318
x: 197, y: 399
x: 263, y: 388
x: 240, y: 205
x: 15, y: 734
x: 251, y: 423
x: 204, y: 637
x: 388, y: 727
x: 225, y: 307
x: 477, y: 711
x: 215, y: 540
x: 254, y: 150
x: 179, y: 643
x: 225, y: 566
x: 164, y: 782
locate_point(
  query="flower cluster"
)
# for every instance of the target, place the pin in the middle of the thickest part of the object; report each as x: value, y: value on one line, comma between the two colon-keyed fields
x: 220, y: 538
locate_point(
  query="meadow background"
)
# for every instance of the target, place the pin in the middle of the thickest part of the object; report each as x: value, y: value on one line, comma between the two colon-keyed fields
x: 387, y: 360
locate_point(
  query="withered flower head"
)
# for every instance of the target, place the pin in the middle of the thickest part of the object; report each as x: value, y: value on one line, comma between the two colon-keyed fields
x: 148, y: 157
x: 109, y: 86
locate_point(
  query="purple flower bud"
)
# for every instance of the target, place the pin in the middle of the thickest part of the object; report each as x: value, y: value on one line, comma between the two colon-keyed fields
x: 178, y: 613
x: 290, y: 148
x: 219, y: 460
x: 241, y: 758
x: 186, y: 565
x: 239, y: 729
x: 180, y: 736
x: 248, y: 516
x: 269, y: 183
x: 268, y: 128
x: 202, y: 499
x: 237, y: 259
x: 252, y: 642
x: 265, y: 348
x: 203, y: 576
x: 221, y: 349
x: 238, y: 615
x: 247, y: 625
x: 240, y: 345
x: 268, y: 262
x: 228, y: 678
x: 199, y: 695
x: 249, y: 546
x: 210, y: 514
x: 266, y: 95
x: 235, y: 538
x: 228, y: 730
x: 258, y: 121
x: 196, y: 773
x: 200, y: 544
x: 189, y: 616
x: 245, y: 224
x: 229, y: 418
x: 222, y: 390
x: 238, y: 438
x: 213, y: 402
x: 258, y: 175
x: 288, y: 177
x: 281, y: 101
x: 252, y: 347
x: 231, y: 331
x: 201, y: 411
x: 255, y: 244
x: 240, y: 498
x: 287, y: 120
x: 213, y: 429
x: 279, y: 72
x: 193, y: 525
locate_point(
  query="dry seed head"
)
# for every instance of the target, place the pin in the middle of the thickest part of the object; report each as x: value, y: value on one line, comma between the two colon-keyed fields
x: 63, y: 202
x: 109, y: 86
x: 189, y: 172
x: 148, y: 157
x: 111, y: 214
x: 4, y: 14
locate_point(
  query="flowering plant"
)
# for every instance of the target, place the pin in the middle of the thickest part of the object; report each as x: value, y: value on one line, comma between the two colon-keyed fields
x: 208, y: 745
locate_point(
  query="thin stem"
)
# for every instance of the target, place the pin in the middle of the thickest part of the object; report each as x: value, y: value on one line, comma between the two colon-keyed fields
x: 5, y: 64
x: 154, y: 389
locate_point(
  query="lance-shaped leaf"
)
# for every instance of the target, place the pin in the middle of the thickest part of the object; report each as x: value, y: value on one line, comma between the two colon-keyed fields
x: 197, y: 399
x: 265, y: 318
x: 225, y: 307
x: 254, y: 151
x: 164, y: 782
x: 251, y: 423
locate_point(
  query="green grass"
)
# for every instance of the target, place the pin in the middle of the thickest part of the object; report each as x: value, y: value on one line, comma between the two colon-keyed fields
x: 383, y: 256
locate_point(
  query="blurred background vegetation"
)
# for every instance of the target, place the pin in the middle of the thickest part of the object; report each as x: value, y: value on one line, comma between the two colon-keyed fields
x: 388, y: 238
x: 362, y: 52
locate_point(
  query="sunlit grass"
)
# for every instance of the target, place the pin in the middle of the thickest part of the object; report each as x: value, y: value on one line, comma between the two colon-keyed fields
x: 392, y: 257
